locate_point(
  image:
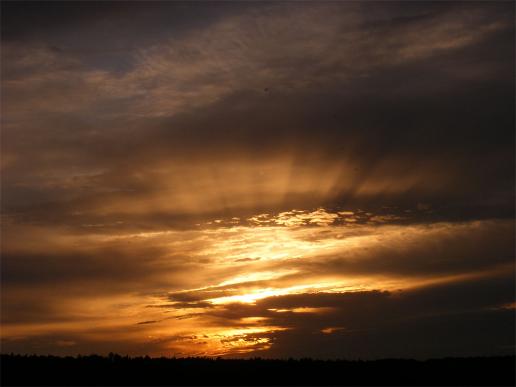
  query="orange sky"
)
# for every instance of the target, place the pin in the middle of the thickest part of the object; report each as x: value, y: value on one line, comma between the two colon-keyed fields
x: 276, y: 180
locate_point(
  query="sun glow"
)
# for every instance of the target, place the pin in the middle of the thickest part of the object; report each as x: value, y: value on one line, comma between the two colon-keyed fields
x: 260, y: 294
x: 246, y: 280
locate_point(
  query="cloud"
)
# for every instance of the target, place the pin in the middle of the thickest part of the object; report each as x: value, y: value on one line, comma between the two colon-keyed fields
x: 212, y: 166
x: 458, y: 320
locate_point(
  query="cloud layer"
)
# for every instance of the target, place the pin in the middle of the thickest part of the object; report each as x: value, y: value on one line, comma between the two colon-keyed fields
x: 267, y: 179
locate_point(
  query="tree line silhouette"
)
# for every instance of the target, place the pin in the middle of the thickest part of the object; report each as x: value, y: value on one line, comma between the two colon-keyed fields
x: 94, y: 370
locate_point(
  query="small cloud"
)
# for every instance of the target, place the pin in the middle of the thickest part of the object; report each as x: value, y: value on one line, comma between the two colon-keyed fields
x: 247, y: 259
x: 509, y: 306
x: 147, y: 322
x: 331, y: 330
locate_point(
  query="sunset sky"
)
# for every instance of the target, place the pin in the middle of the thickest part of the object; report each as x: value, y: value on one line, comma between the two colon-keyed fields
x: 274, y: 179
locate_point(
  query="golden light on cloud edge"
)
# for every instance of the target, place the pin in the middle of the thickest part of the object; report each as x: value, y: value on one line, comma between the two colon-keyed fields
x: 284, y: 250
x: 179, y: 188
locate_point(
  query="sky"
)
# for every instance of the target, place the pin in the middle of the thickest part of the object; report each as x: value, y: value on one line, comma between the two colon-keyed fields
x: 273, y: 179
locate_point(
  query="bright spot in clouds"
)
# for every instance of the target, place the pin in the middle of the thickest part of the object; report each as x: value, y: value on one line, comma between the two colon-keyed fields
x: 253, y: 178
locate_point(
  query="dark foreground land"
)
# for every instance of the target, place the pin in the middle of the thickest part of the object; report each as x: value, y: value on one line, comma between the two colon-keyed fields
x: 117, y: 370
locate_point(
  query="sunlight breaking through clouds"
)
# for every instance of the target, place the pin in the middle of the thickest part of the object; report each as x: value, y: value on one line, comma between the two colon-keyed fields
x: 294, y: 254
x: 250, y: 178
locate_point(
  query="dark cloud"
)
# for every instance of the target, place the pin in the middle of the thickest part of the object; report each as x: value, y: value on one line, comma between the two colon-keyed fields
x: 467, y: 250
x: 460, y: 319
x: 116, y: 30
x: 140, y: 140
x: 468, y: 334
x: 147, y: 322
x: 437, y: 321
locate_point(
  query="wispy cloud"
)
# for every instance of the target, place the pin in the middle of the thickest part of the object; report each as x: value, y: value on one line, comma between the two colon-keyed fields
x: 199, y: 180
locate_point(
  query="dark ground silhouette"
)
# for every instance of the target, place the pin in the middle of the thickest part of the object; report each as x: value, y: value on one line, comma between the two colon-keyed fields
x: 117, y: 370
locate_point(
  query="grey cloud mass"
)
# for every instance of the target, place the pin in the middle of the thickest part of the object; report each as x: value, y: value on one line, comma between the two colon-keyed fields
x: 330, y: 179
